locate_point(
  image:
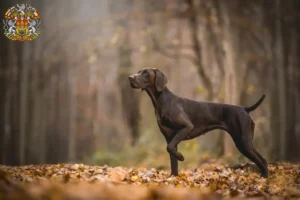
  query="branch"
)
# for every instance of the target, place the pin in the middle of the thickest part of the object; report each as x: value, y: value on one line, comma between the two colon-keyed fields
x: 170, y: 55
x: 197, y: 48
x: 158, y: 48
x: 179, y: 46
x: 214, y: 38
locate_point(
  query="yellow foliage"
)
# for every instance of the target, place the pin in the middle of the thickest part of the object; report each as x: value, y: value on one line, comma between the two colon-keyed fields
x: 78, y: 181
x: 201, y: 90
x: 250, y: 89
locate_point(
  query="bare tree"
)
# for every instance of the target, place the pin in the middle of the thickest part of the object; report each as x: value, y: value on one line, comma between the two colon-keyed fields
x: 130, y: 100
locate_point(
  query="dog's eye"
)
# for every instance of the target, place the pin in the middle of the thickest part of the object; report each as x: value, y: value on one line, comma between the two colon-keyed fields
x: 145, y: 73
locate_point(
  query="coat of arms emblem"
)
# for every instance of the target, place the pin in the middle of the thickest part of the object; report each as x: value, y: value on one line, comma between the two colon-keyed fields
x: 21, y: 22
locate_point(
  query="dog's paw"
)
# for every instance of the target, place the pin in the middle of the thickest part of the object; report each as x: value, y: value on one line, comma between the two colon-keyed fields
x: 264, y: 175
x: 179, y: 156
x: 173, y: 174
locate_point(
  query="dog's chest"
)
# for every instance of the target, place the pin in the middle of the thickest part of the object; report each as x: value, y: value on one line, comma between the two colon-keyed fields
x: 165, y: 128
x: 166, y: 125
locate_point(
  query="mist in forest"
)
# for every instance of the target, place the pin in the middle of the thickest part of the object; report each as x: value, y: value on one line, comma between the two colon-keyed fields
x: 65, y: 96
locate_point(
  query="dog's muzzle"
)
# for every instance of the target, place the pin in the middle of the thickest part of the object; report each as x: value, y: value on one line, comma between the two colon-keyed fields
x: 132, y: 81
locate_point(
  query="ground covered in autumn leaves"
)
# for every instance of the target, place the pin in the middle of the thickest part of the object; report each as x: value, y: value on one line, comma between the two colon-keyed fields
x: 211, y: 181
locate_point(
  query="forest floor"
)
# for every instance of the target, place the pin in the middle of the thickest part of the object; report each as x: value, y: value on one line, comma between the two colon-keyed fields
x: 211, y: 181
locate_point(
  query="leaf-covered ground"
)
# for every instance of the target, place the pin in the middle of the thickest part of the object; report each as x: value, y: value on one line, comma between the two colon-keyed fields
x: 213, y: 181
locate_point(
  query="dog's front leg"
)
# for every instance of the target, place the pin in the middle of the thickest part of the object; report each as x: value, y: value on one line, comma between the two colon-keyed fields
x: 180, y: 135
x: 174, y: 165
x: 173, y: 159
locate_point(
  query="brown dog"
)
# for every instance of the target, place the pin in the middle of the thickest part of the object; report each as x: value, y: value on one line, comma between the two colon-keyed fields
x: 183, y: 119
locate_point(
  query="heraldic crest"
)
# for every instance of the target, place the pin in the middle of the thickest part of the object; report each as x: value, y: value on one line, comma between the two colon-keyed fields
x: 21, y: 22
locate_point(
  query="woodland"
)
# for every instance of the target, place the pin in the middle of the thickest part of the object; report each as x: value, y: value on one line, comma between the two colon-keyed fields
x: 71, y: 127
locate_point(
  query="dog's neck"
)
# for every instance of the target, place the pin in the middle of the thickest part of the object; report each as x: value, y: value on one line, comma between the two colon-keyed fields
x: 154, y: 95
x: 158, y: 98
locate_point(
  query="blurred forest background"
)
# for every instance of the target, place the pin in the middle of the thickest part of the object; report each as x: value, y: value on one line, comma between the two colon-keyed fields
x: 65, y: 96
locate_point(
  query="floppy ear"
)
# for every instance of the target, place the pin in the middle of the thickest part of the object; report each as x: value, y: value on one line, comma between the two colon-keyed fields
x: 160, y: 80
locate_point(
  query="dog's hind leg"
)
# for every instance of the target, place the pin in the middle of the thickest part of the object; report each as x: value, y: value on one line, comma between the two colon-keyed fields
x: 247, y: 149
x: 261, y: 158
x: 244, y: 144
x: 252, y: 128
x: 252, y: 134
x: 255, y: 151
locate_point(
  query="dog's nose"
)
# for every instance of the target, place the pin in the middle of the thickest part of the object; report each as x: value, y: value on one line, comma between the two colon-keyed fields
x: 131, y: 78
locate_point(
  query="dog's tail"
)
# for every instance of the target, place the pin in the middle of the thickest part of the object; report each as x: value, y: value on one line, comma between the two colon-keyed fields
x: 251, y: 108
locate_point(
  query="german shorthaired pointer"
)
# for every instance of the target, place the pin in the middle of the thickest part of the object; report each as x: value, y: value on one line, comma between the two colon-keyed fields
x: 182, y: 119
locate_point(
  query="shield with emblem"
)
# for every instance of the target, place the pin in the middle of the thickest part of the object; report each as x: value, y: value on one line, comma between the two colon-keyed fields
x: 21, y: 22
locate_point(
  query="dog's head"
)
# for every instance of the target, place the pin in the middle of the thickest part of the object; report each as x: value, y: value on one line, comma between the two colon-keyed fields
x: 147, y: 78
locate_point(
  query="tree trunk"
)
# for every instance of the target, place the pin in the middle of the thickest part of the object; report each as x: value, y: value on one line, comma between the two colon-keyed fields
x: 280, y: 117
x: 197, y: 49
x: 292, y: 152
x: 73, y: 116
x: 230, y: 81
x: 24, y: 70
x: 130, y: 99
x: 4, y: 92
